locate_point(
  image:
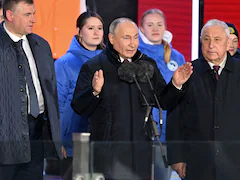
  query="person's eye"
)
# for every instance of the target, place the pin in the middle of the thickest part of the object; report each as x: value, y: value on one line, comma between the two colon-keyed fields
x: 90, y: 28
x: 100, y: 28
x: 206, y: 39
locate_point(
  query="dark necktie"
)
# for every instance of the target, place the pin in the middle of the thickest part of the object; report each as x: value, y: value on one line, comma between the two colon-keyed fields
x: 34, y: 106
x: 125, y: 61
x: 216, y: 68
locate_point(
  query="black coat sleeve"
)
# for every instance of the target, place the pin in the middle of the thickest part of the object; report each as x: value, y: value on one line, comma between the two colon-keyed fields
x: 168, y: 95
x: 176, y: 148
x: 177, y: 133
x: 84, y: 102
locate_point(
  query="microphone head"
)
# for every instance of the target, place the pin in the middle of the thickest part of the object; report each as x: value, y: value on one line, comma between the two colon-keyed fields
x: 145, y: 70
x: 127, y: 72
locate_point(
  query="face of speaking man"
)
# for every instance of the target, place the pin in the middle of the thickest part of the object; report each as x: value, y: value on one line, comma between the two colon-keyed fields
x: 125, y: 39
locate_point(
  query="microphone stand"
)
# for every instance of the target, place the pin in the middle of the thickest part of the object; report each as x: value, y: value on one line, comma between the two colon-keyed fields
x: 155, y: 131
x: 153, y: 128
x: 149, y: 108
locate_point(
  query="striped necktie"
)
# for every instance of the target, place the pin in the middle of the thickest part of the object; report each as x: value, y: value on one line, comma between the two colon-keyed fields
x: 216, y: 69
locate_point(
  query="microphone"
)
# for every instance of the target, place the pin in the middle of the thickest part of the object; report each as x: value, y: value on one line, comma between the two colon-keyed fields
x: 145, y: 69
x: 127, y: 72
x: 149, y: 110
x: 144, y: 74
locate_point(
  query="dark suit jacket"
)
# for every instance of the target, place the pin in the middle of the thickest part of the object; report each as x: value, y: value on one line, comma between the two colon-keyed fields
x: 203, y: 130
x: 14, y: 130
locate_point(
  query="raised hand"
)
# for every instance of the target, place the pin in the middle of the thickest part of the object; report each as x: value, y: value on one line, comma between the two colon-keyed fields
x: 180, y: 168
x: 64, y: 153
x: 182, y: 74
x: 98, y: 81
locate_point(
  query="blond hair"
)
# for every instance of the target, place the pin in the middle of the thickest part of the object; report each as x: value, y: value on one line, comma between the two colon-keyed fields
x: 166, y: 45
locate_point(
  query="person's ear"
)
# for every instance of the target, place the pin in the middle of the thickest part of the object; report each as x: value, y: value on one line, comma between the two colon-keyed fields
x: 141, y: 29
x: 111, y: 38
x: 77, y: 30
x: 9, y: 15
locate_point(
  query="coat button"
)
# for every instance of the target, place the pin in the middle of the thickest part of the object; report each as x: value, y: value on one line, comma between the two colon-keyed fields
x: 21, y: 89
x: 20, y: 66
x: 216, y: 127
x: 24, y: 137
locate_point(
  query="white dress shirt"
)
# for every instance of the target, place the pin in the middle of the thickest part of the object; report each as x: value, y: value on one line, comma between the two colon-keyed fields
x: 122, y: 59
x: 222, y: 65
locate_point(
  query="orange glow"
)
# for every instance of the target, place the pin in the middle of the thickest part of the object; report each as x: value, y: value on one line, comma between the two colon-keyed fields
x: 56, y: 22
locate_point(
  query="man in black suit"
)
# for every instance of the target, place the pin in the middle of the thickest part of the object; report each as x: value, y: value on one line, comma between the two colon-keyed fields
x: 203, y: 130
x: 28, y: 104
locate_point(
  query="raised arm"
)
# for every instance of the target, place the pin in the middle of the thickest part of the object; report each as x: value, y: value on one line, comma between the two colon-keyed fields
x: 88, y: 90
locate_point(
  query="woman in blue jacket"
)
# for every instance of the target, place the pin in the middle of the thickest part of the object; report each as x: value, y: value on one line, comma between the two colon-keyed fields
x: 86, y: 44
x: 152, y: 43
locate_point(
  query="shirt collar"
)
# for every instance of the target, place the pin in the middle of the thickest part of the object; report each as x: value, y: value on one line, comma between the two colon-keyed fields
x: 222, y: 64
x: 13, y: 36
x: 122, y: 59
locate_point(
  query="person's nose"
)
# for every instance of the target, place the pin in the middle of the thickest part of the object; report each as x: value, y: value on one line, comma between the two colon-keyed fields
x: 132, y: 44
x: 96, y: 31
x: 33, y: 19
x: 231, y: 44
x: 211, y: 43
x: 155, y: 28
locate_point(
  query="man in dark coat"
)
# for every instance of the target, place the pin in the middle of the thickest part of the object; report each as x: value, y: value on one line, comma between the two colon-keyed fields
x: 203, y: 130
x: 28, y: 104
x: 114, y: 107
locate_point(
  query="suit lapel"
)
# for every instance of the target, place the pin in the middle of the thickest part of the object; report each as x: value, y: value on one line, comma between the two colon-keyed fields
x: 38, y: 55
x: 34, y: 45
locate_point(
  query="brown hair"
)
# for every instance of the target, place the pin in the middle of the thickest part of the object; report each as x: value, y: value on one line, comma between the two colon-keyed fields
x: 81, y: 21
x: 167, y: 48
x: 11, y: 4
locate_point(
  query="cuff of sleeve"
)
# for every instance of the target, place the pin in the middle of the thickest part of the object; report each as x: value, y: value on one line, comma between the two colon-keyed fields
x: 95, y: 94
x: 178, y: 87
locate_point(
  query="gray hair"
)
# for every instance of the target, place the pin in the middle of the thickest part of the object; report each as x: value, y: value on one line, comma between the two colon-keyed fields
x: 118, y: 21
x: 216, y: 22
